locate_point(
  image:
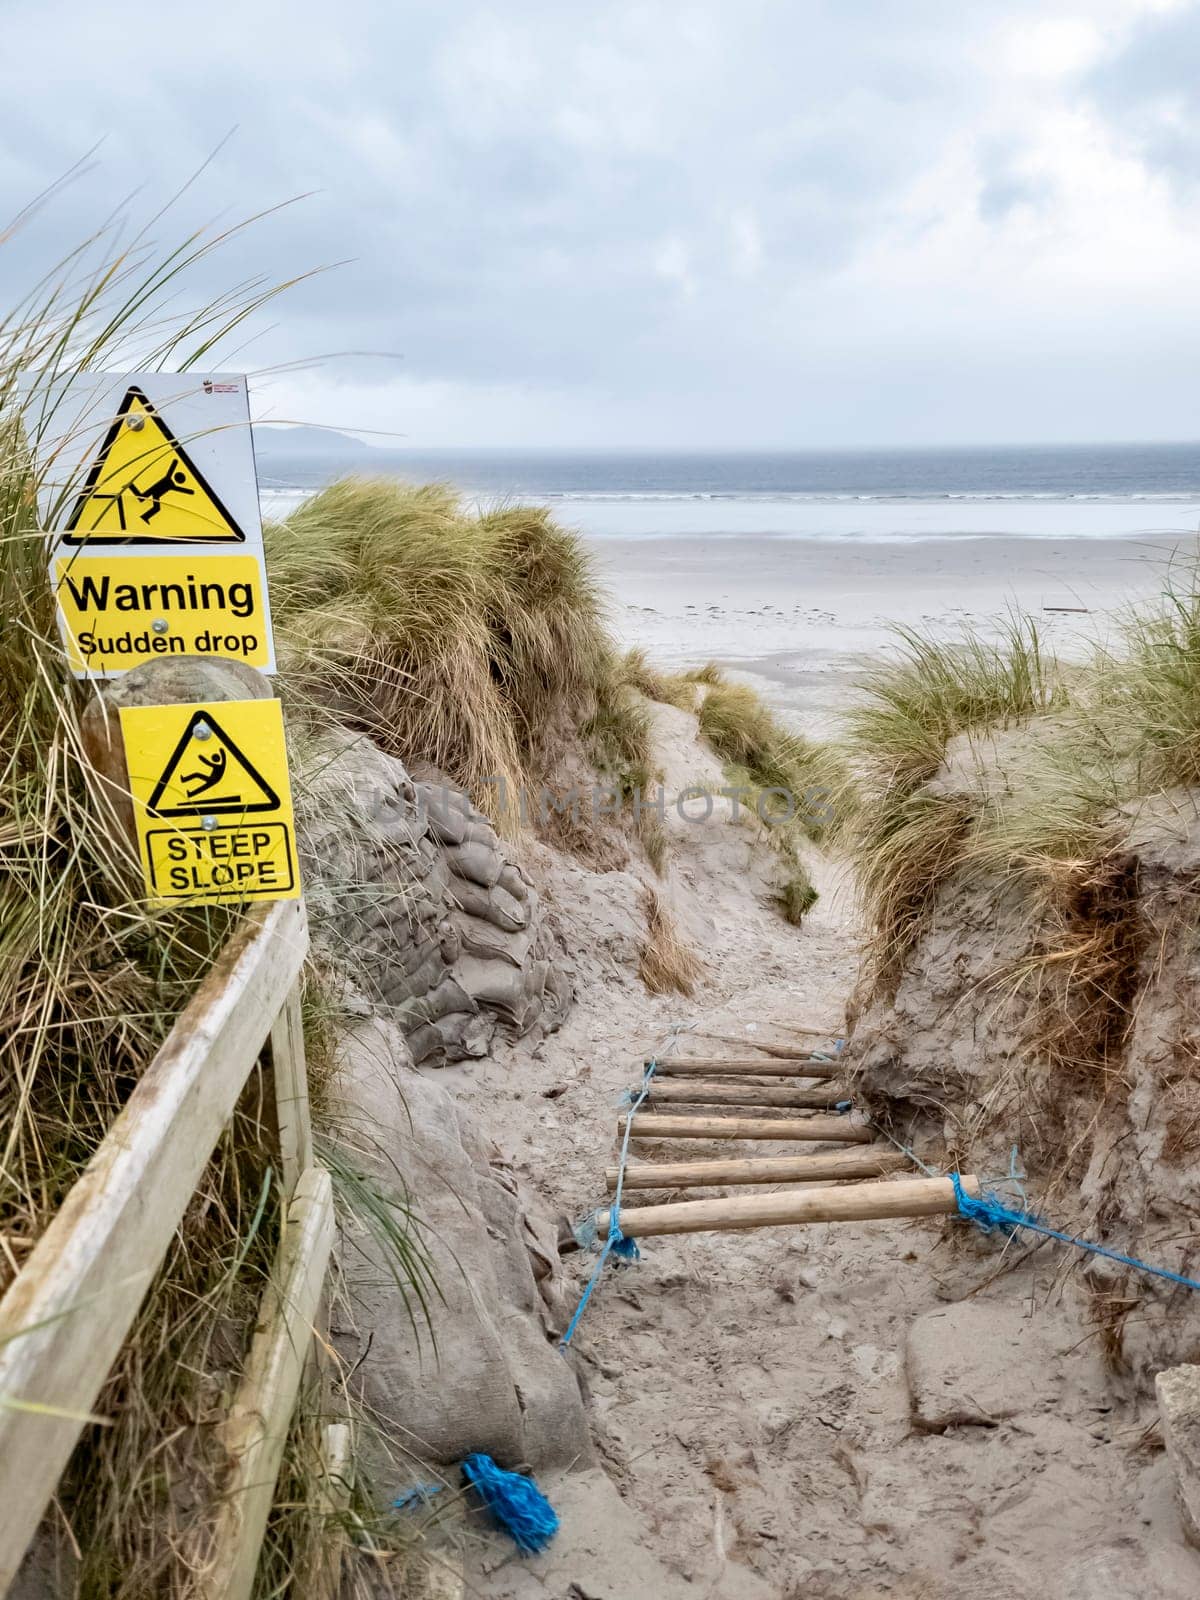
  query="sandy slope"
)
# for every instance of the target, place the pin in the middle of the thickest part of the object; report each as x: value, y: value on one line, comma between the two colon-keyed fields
x: 749, y: 1392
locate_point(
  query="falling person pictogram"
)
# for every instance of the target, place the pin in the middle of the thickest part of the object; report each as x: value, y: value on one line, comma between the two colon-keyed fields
x: 173, y: 481
x: 201, y: 790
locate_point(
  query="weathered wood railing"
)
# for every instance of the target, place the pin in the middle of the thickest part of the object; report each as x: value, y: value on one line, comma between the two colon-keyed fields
x: 66, y: 1315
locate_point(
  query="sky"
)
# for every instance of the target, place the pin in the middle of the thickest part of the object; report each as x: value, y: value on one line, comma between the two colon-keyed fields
x: 695, y: 225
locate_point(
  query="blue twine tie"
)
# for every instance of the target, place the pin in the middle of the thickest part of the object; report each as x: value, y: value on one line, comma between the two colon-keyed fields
x: 616, y: 1244
x: 421, y: 1494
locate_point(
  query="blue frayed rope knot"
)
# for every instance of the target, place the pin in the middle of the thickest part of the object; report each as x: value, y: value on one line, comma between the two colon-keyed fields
x: 515, y: 1503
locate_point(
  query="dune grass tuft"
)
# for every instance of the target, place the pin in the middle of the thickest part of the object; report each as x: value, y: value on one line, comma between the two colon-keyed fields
x: 905, y: 838
x: 1152, y: 704
x: 1050, y: 767
x: 930, y: 690
x: 668, y: 965
x: 456, y: 638
x: 679, y: 689
x: 797, y: 896
x: 797, y: 775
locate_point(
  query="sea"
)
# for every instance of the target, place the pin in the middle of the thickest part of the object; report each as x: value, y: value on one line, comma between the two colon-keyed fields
x: 1077, y: 491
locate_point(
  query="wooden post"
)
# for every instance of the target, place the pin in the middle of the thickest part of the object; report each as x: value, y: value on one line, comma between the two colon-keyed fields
x: 872, y: 1163
x: 834, y: 1130
x: 333, y: 1500
x: 741, y: 1094
x: 854, y: 1202
x: 256, y: 1429
x: 713, y: 1067
x: 291, y: 1092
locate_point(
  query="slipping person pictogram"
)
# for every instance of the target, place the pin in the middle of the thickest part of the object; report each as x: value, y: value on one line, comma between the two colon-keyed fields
x: 206, y: 780
x: 219, y: 779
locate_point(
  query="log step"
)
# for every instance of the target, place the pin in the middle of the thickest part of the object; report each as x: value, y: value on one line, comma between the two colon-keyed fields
x: 850, y: 1129
x: 714, y: 1067
x: 743, y: 1094
x: 859, y: 1202
x: 759, y: 1169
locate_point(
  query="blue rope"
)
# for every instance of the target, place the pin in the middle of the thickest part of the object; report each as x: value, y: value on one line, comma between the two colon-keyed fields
x: 616, y: 1243
x: 989, y: 1214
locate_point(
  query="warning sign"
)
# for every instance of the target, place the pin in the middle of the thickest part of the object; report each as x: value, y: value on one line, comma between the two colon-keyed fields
x: 148, y: 482
x: 144, y: 488
x: 118, y: 611
x: 212, y: 800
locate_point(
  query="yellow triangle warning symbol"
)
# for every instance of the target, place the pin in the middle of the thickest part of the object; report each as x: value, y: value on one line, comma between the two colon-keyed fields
x: 144, y: 488
x: 207, y: 775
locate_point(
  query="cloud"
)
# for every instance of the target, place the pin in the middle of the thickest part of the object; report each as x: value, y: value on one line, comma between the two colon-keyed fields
x: 657, y: 222
x: 1150, y: 93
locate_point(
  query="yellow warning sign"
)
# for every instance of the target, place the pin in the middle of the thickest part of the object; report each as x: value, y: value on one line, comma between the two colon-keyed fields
x: 143, y: 488
x: 212, y: 801
x: 117, y: 611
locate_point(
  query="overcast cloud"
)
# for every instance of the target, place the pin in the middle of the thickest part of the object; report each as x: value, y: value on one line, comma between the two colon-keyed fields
x: 745, y: 223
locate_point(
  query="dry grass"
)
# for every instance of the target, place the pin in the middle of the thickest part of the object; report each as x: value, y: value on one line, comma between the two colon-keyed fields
x: 928, y: 691
x: 667, y: 966
x: 1046, y: 819
x: 474, y: 642
x: 1151, y: 691
x: 905, y: 839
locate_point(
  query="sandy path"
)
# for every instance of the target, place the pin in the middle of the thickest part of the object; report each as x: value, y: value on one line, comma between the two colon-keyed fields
x: 749, y: 1392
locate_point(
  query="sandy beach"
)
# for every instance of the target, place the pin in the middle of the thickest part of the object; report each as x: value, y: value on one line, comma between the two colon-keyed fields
x: 797, y: 617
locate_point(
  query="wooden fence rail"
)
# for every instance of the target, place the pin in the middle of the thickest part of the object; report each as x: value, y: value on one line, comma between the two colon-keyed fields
x: 67, y: 1314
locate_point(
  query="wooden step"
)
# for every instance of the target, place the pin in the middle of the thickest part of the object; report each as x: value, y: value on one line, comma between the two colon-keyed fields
x: 743, y: 1094
x: 855, y: 1202
x: 834, y: 1130
x: 872, y: 1163
x: 714, y: 1067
